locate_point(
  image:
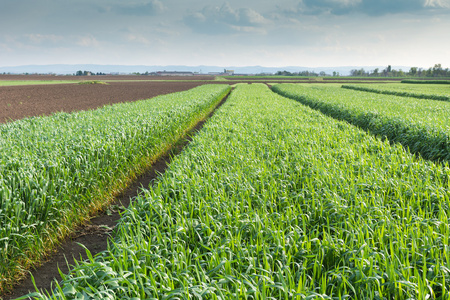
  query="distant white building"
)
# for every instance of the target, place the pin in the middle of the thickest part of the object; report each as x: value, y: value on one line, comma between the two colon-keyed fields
x: 224, y: 73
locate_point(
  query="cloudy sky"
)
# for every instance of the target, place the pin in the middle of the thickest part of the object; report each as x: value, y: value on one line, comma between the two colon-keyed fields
x: 309, y: 33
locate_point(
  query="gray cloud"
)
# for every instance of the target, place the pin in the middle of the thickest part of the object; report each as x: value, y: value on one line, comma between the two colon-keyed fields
x: 148, y: 8
x: 337, y: 7
x: 368, y: 7
x: 284, y: 32
x: 383, y: 7
x: 224, y: 19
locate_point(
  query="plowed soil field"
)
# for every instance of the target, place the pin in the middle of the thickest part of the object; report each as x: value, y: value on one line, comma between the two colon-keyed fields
x: 17, y: 102
x: 105, y: 77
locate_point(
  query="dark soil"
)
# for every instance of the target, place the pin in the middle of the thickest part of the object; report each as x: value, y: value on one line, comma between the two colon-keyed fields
x: 104, y: 77
x: 95, y: 234
x: 17, y: 102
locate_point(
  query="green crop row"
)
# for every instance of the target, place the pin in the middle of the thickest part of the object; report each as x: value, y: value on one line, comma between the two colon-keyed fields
x: 56, y: 170
x: 422, y: 125
x: 426, y: 81
x: 274, y: 200
x: 428, y: 89
x: 397, y: 93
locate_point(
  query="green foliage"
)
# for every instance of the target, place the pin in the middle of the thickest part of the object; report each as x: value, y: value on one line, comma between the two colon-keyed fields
x: 55, y: 170
x: 381, y: 90
x: 426, y: 81
x: 273, y: 200
x: 420, y: 125
x: 93, y: 82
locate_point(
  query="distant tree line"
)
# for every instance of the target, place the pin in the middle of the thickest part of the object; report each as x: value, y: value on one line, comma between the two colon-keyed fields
x: 87, y: 73
x: 436, y: 71
x: 302, y: 73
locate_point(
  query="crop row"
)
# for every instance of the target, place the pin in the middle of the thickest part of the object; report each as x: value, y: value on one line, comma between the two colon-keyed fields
x: 426, y: 81
x: 274, y: 200
x: 397, y: 92
x: 422, y: 125
x: 55, y: 171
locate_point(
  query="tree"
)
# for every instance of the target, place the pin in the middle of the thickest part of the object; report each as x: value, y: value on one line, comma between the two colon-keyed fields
x: 437, y: 70
x: 412, y: 71
x: 375, y: 72
x: 361, y: 72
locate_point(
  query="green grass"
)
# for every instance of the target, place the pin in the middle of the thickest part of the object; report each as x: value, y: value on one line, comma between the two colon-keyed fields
x: 281, y: 78
x: 274, y: 200
x: 92, y: 82
x: 421, y: 125
x: 34, y: 82
x: 422, y: 91
x: 306, y: 78
x: 55, y: 171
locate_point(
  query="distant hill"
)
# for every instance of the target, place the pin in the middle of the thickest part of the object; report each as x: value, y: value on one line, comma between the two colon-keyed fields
x: 61, y: 69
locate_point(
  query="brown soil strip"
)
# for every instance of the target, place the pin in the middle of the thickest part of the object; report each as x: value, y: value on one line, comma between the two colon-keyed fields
x: 95, y: 234
x: 17, y: 102
x: 104, y: 77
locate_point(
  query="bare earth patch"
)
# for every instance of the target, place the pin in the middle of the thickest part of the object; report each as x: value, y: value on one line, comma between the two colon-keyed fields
x: 18, y: 102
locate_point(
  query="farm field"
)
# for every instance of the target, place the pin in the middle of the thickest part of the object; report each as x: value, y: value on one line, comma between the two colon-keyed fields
x: 274, y: 200
x: 17, y: 102
x: 301, y: 79
x: 306, y: 78
x: 55, y: 171
x: 421, y: 91
x: 422, y: 125
x: 271, y: 200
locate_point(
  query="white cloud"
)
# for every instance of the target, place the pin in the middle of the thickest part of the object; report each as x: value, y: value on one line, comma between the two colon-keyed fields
x: 87, y: 41
x: 138, y: 39
x: 438, y: 3
x: 225, y: 19
x: 42, y: 38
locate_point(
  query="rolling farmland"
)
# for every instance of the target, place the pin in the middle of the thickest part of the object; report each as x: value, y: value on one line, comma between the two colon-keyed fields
x: 277, y: 197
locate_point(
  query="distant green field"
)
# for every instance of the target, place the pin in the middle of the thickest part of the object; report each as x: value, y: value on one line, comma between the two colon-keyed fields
x: 34, y: 82
x: 424, y: 91
x: 306, y: 78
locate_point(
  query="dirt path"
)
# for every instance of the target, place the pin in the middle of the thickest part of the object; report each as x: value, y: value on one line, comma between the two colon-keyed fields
x: 94, y: 235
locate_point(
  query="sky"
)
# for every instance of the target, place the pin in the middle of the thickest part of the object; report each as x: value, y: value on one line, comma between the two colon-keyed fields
x: 307, y: 33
